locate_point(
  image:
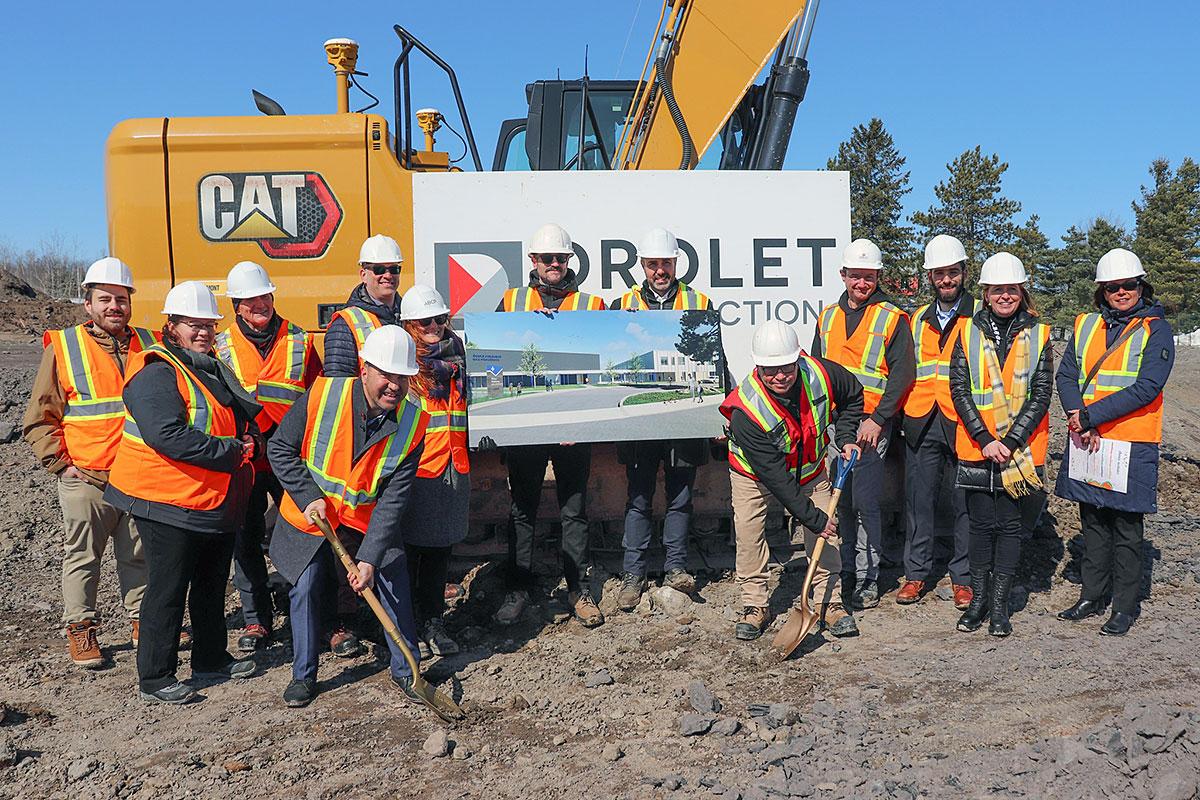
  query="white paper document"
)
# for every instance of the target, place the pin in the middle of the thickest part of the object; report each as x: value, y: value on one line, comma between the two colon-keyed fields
x: 1107, y: 468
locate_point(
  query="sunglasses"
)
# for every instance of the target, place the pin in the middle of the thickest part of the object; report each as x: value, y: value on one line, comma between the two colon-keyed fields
x: 1128, y: 286
x: 553, y: 258
x: 440, y: 319
x: 770, y: 372
x: 383, y: 269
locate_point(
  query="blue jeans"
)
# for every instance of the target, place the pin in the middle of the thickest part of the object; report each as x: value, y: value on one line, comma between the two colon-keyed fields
x: 316, y: 588
x: 639, y: 520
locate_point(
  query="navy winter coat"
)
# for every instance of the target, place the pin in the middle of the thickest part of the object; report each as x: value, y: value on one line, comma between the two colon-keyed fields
x: 1157, y: 360
x: 341, y: 352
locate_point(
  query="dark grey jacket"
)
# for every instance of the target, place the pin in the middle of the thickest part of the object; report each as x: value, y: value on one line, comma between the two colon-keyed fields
x: 985, y: 475
x: 341, y: 352
x: 292, y: 549
x: 152, y: 398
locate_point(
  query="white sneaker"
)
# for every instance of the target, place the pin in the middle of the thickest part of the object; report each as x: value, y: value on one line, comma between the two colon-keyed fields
x: 513, y: 606
x: 438, y: 639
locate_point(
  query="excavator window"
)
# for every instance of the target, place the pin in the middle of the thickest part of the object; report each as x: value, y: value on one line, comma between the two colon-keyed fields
x: 608, y: 109
x: 510, y: 152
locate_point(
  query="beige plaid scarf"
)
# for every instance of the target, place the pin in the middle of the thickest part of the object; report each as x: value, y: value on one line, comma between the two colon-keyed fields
x: 1019, y: 474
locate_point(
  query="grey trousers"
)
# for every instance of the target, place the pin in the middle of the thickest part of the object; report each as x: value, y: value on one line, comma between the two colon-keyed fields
x: 860, y: 520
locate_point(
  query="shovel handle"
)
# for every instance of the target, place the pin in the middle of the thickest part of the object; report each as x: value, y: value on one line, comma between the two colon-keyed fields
x: 844, y: 465
x: 369, y: 594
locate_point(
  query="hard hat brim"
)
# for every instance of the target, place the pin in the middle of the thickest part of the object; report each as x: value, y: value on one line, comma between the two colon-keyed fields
x: 777, y: 361
x: 929, y: 266
x: 652, y: 254
x: 408, y: 372
x: 426, y: 315
x: 246, y: 296
x: 168, y: 313
x: 872, y: 267
x: 86, y: 284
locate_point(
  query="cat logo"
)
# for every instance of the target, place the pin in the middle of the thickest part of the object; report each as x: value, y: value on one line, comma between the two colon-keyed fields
x: 289, y: 214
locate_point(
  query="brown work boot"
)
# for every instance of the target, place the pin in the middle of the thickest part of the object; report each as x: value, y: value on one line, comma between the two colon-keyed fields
x: 134, y: 632
x: 962, y: 596
x: 680, y: 580
x: 753, y: 622
x: 910, y: 592
x: 632, y: 586
x: 585, y: 609
x: 83, y: 646
x: 343, y: 643
x: 839, y: 622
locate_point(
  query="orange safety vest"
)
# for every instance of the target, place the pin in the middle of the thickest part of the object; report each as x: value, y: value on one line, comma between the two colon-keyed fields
x: 932, y: 384
x: 863, y: 353
x: 351, y: 487
x: 141, y: 471
x: 526, y: 298
x: 802, y: 441
x: 1119, y: 371
x: 276, y: 381
x: 445, y: 435
x: 982, y: 394
x: 361, y: 323
x: 686, y: 299
x: 91, y: 381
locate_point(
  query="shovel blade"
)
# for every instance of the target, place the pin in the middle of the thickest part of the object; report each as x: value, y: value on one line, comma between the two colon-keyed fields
x: 439, y: 702
x: 800, y: 623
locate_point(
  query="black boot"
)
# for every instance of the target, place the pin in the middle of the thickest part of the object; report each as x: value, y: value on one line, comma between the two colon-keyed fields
x: 1082, y: 610
x: 1000, y: 625
x: 977, y: 612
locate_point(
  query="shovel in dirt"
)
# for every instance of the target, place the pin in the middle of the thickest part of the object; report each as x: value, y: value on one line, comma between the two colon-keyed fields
x: 439, y: 702
x: 802, y: 620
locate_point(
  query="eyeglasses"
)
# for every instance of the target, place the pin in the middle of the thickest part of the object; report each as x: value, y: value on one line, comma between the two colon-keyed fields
x: 547, y: 259
x: 1128, y: 286
x: 388, y: 269
x: 440, y: 319
x: 771, y: 372
x: 1014, y: 290
x: 198, y: 326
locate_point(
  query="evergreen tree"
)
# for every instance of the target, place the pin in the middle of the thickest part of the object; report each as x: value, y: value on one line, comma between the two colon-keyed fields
x: 971, y: 208
x: 1168, y: 239
x: 1031, y: 246
x: 1065, y: 287
x: 878, y: 183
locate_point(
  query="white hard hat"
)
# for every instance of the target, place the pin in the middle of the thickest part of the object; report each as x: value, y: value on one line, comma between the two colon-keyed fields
x: 422, y: 302
x: 944, y: 251
x: 191, y: 299
x: 109, y: 270
x: 390, y: 349
x: 1118, y: 264
x: 862, y: 254
x: 658, y: 243
x: 247, y: 280
x: 550, y: 239
x: 775, y: 343
x: 380, y: 249
x: 1002, y: 269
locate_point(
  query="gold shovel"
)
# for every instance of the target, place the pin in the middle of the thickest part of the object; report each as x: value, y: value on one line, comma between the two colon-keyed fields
x: 801, y: 620
x: 439, y: 702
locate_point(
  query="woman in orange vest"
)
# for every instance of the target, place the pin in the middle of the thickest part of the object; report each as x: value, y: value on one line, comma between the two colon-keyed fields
x: 183, y: 471
x: 1001, y: 381
x: 437, y: 514
x: 1111, y: 385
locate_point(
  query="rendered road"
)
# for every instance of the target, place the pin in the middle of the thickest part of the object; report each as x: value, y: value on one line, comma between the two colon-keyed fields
x: 540, y: 402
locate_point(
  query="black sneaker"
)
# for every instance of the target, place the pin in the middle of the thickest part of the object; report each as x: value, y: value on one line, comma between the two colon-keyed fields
x: 405, y: 685
x: 300, y: 693
x: 632, y: 586
x: 867, y: 595
x: 177, y: 694
x: 234, y: 669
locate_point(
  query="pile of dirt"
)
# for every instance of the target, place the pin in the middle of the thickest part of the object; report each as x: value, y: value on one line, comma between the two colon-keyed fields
x: 660, y: 703
x: 25, y: 310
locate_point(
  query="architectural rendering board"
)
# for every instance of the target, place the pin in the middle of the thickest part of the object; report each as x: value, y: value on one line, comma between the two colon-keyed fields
x: 594, y: 376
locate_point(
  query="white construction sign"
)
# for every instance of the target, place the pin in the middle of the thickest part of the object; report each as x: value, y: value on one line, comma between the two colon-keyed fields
x: 762, y: 245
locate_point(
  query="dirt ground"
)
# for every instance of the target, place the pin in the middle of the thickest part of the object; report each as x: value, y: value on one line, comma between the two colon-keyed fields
x: 911, y: 708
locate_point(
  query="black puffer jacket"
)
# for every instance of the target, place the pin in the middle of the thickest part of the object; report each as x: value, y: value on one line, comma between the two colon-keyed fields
x: 986, y: 474
x: 341, y: 351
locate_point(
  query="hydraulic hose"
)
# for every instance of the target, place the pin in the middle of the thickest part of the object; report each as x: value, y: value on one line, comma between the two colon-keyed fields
x: 664, y: 86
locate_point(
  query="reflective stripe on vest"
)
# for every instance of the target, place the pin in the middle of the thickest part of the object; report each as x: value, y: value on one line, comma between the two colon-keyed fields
x: 142, y: 472
x: 351, y: 488
x: 1119, y: 371
x: 982, y: 394
x: 863, y: 353
x: 686, y: 299
x: 446, y: 434
x: 361, y: 323
x: 276, y: 381
x: 525, y: 298
x: 932, y: 384
x: 91, y: 382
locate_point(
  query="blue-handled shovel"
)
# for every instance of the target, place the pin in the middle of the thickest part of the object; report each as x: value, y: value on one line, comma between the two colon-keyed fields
x: 802, y: 620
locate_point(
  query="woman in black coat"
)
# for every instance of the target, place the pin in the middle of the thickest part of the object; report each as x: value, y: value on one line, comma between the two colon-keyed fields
x: 1001, y: 381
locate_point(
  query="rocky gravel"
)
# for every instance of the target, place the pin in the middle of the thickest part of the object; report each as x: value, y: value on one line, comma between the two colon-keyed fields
x: 662, y: 702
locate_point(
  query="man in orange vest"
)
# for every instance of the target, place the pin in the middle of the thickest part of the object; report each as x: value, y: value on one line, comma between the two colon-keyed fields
x: 348, y: 452
x: 868, y: 335
x: 929, y: 426
x: 779, y: 422
x: 73, y: 423
x: 552, y: 287
x: 275, y: 362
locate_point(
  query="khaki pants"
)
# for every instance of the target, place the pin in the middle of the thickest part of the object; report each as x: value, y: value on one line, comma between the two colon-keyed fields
x: 750, y: 501
x: 89, y: 523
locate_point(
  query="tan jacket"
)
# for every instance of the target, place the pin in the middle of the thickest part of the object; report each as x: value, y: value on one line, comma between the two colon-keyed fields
x: 43, y: 415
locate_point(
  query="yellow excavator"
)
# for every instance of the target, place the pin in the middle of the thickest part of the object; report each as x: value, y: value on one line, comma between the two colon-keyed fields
x: 188, y: 197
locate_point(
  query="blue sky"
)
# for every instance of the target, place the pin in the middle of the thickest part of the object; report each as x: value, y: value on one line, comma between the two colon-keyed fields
x: 615, y: 336
x: 1077, y: 97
